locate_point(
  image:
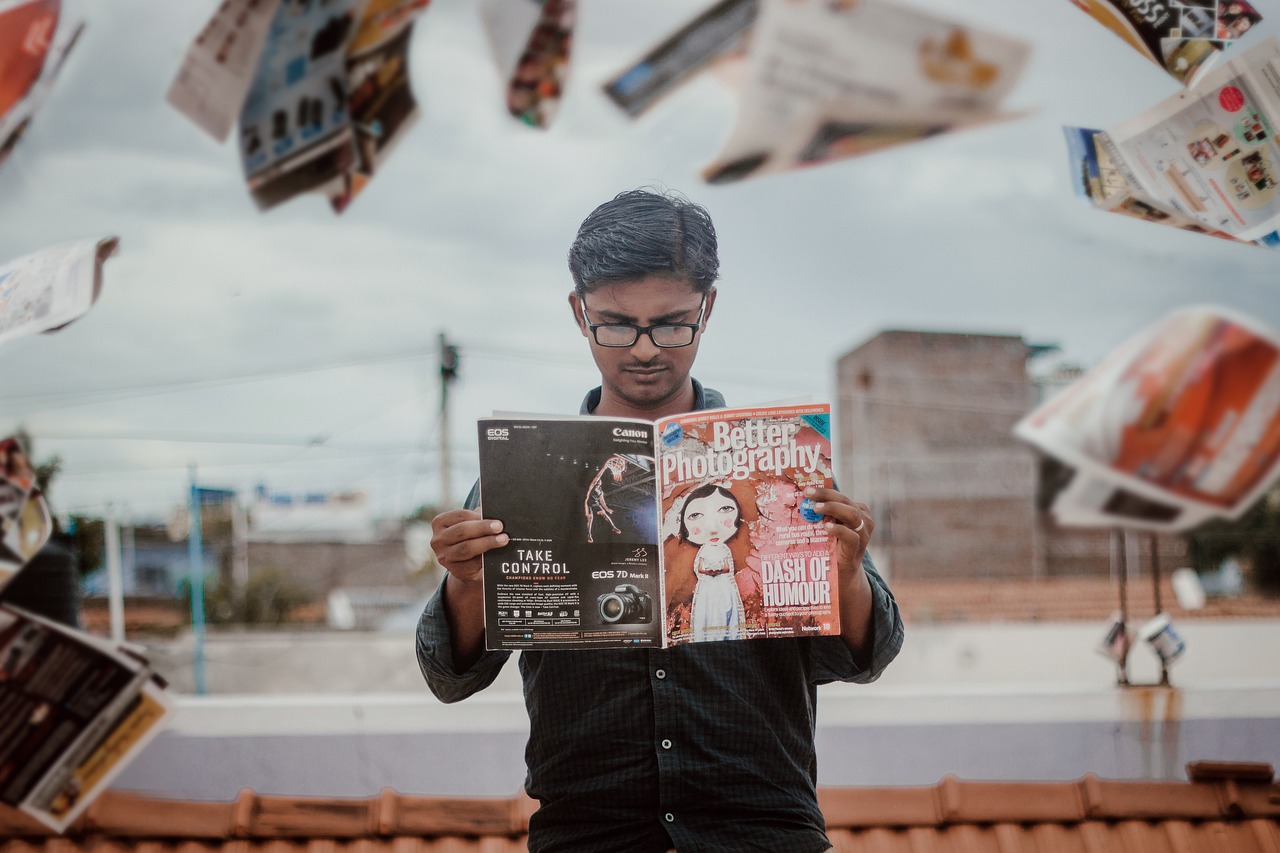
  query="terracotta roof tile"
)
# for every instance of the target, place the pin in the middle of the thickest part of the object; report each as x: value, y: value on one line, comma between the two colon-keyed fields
x: 1227, y: 808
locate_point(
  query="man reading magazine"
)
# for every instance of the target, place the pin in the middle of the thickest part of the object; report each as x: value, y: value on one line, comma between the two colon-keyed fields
x: 700, y: 747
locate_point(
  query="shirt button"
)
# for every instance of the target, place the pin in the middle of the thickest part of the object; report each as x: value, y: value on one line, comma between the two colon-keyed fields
x: 666, y: 744
x: 670, y: 818
x: 662, y: 673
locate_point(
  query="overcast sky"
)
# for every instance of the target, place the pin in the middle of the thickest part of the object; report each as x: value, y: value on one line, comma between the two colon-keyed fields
x: 297, y: 349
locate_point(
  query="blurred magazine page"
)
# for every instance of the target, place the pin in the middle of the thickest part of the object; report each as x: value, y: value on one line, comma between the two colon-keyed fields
x: 295, y: 130
x: 1099, y: 502
x: 812, y: 57
x: 717, y: 33
x: 382, y: 21
x: 45, y: 291
x: 531, y: 41
x: 25, y: 524
x: 1211, y: 153
x: 35, y: 40
x: 74, y: 711
x: 1100, y: 182
x: 379, y: 97
x: 219, y: 66
x: 1185, y: 37
x: 1187, y: 413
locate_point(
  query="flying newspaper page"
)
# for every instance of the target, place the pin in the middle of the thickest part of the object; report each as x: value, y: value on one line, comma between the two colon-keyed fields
x: 1099, y: 181
x: 531, y: 42
x: 1210, y: 154
x: 295, y: 128
x: 74, y: 711
x: 717, y: 35
x: 1184, y: 37
x: 1178, y: 425
x: 47, y: 290
x: 25, y: 522
x: 35, y: 40
x: 379, y: 96
x: 831, y: 80
x: 219, y: 66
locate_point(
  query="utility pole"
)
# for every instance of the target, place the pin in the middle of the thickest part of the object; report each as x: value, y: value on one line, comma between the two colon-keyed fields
x: 115, y: 581
x: 195, y: 577
x: 448, y: 375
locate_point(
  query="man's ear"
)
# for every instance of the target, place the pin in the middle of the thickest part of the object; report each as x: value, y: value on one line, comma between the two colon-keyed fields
x: 575, y: 304
x: 711, y: 300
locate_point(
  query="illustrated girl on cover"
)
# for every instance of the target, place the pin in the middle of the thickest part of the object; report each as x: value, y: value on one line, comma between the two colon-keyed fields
x: 710, y: 517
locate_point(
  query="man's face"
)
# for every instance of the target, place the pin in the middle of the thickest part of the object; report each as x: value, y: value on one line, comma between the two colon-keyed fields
x: 643, y: 377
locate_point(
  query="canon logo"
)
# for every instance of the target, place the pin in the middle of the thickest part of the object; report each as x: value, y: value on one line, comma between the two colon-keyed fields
x: 630, y: 433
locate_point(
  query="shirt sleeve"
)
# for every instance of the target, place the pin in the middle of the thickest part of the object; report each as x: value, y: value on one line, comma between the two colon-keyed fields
x: 831, y: 659
x: 435, y: 656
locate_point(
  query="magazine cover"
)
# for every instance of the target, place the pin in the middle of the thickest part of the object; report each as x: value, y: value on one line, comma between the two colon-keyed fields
x: 637, y: 534
x: 744, y: 554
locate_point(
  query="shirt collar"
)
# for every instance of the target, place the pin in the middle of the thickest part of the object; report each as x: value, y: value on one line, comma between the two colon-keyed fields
x: 703, y: 398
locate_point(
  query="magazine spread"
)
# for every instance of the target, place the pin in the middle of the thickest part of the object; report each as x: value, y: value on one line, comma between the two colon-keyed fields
x: 1184, y: 37
x: 73, y: 712
x: 1210, y: 154
x: 44, y: 291
x: 831, y: 80
x: 1179, y: 425
x: 625, y: 533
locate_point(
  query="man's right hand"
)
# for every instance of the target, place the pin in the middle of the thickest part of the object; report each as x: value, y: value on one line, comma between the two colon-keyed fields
x: 459, y: 537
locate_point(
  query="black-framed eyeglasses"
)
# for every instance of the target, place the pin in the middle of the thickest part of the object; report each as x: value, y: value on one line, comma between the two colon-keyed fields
x: 665, y: 335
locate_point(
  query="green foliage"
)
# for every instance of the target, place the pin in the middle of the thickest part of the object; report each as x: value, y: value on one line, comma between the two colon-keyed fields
x: 89, y: 542
x: 1254, y: 538
x: 268, y: 598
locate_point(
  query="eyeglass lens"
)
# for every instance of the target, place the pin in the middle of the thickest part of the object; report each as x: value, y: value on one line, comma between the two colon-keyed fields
x: 625, y: 336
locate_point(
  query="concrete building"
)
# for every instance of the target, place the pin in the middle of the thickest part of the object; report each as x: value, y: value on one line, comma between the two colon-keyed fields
x: 925, y: 421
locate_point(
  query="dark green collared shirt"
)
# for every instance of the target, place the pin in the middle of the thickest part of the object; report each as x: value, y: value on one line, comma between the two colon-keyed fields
x: 707, y: 747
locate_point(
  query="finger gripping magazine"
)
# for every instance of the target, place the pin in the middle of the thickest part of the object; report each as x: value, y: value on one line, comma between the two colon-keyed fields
x: 627, y: 533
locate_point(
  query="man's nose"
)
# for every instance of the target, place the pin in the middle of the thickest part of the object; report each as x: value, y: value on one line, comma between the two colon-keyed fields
x: 644, y: 349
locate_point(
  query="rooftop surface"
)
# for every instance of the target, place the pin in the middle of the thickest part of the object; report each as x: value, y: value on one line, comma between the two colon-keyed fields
x: 1225, y: 807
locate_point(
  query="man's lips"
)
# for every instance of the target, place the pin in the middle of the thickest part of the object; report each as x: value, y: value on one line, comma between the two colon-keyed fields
x: 644, y: 372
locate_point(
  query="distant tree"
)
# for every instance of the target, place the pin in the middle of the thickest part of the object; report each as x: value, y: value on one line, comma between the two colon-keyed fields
x: 88, y: 541
x: 1254, y: 539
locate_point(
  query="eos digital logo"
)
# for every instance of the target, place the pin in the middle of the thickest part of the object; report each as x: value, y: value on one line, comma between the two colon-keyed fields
x: 497, y: 434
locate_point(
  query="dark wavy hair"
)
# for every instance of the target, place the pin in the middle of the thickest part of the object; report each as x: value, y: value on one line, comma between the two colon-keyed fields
x: 645, y: 232
x: 704, y: 491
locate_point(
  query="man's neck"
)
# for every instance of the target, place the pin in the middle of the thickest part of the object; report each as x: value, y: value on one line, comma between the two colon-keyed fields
x: 678, y: 404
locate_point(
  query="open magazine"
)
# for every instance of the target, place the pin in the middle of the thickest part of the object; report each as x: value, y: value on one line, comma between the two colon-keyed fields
x: 1204, y: 159
x: 74, y: 710
x: 321, y: 91
x: 1184, y: 37
x: 46, y: 290
x: 627, y: 533
x: 830, y: 80
x: 1179, y: 425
